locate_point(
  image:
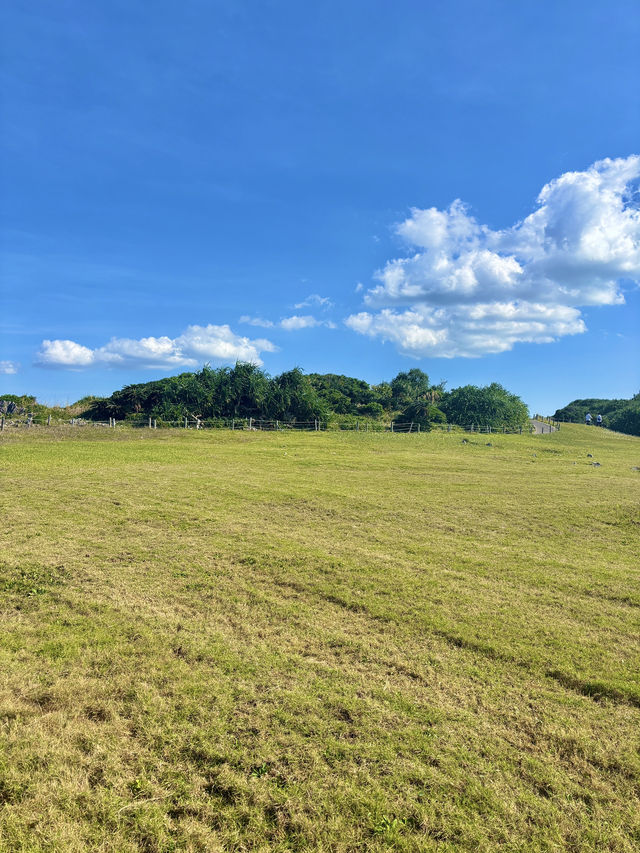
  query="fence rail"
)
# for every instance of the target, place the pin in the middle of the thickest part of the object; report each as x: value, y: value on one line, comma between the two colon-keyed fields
x: 253, y: 424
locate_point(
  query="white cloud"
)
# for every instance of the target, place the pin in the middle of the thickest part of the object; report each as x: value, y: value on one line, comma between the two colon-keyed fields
x: 8, y: 367
x: 468, y: 330
x: 65, y: 354
x: 289, y: 324
x: 256, y: 321
x: 315, y: 299
x: 471, y: 290
x: 304, y: 322
x: 195, y: 345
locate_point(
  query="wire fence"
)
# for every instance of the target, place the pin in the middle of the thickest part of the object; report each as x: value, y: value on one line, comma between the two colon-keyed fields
x: 255, y: 424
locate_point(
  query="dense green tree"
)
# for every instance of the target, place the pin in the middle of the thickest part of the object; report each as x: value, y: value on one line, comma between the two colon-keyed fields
x: 409, y: 386
x: 422, y: 412
x: 491, y: 406
x: 371, y: 410
x: 383, y: 395
x: 246, y: 391
x: 626, y: 419
x: 342, y: 394
x: 293, y: 398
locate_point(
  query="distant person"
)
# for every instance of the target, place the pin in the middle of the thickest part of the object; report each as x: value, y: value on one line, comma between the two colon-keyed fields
x: 588, y: 419
x: 599, y: 420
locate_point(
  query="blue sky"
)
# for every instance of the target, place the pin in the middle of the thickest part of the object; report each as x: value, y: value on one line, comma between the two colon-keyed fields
x: 351, y: 187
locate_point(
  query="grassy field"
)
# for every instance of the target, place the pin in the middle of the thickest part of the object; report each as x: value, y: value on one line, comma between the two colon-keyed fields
x: 330, y: 642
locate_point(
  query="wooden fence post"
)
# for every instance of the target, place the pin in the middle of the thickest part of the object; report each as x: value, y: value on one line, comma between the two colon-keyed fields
x: 1, y: 424
x: 49, y: 421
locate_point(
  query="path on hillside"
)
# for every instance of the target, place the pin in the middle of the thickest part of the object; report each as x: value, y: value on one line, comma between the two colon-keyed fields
x: 540, y: 427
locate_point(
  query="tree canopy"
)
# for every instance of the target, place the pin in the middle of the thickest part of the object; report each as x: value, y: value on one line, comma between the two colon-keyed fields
x: 620, y: 415
x: 491, y: 405
x: 246, y: 391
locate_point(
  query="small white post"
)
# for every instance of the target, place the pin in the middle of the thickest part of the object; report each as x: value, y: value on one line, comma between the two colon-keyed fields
x: 155, y: 424
x: 149, y: 421
x: 185, y: 423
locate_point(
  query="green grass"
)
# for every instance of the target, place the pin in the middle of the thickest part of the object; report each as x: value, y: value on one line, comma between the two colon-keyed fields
x: 346, y: 642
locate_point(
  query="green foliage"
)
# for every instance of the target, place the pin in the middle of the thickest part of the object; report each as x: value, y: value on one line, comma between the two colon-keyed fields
x: 26, y: 402
x: 246, y: 391
x: 372, y: 410
x: 383, y: 395
x: 423, y: 413
x: 626, y: 419
x: 345, y: 395
x: 409, y: 386
x: 619, y: 415
x: 491, y: 406
x: 293, y: 398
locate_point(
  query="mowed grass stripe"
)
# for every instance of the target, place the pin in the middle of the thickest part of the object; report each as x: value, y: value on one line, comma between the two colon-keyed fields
x: 320, y: 642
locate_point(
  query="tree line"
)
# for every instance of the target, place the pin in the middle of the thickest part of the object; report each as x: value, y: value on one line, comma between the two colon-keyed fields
x: 246, y: 391
x: 619, y: 415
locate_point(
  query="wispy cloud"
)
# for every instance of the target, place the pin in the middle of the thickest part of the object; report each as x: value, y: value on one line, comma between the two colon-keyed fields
x: 257, y: 321
x: 315, y: 299
x: 289, y: 324
x: 470, y: 290
x: 195, y: 345
x: 8, y: 367
x: 306, y: 321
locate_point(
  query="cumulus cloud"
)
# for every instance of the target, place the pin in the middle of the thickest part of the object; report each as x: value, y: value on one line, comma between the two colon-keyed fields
x: 8, y: 367
x: 195, y: 345
x: 469, y: 290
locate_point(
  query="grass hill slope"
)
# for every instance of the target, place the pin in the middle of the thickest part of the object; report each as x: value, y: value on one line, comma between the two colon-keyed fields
x: 331, y: 642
